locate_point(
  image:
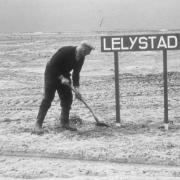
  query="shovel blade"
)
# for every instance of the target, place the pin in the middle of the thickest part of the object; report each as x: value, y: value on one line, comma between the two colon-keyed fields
x: 102, y: 124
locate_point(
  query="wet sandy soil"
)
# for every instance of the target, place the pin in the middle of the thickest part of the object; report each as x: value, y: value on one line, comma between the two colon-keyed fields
x: 139, y: 140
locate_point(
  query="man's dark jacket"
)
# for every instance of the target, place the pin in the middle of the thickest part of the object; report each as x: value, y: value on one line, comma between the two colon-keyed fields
x: 62, y: 63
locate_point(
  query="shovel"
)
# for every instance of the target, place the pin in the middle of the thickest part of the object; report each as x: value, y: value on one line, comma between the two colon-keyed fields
x: 98, y: 123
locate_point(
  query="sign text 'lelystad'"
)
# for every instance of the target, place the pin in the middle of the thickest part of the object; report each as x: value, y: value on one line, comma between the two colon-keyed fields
x: 140, y: 42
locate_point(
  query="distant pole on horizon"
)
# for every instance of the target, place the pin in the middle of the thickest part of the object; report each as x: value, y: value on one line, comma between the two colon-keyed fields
x: 101, y: 22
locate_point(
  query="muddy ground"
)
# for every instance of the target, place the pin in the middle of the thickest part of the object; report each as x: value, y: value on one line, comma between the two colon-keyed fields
x: 140, y: 148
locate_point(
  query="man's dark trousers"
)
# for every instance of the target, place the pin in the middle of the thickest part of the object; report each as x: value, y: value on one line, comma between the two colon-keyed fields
x: 51, y: 84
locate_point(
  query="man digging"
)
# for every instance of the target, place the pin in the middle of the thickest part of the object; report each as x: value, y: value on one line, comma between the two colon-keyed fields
x: 57, y: 77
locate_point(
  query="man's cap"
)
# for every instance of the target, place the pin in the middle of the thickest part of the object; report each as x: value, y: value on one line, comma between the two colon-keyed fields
x: 87, y: 45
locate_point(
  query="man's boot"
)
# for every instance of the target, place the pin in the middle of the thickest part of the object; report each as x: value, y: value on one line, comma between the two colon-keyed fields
x: 65, y: 120
x: 40, y: 118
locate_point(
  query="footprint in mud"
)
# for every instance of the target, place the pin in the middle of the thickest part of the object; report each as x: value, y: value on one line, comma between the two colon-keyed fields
x: 44, y: 131
x: 9, y: 120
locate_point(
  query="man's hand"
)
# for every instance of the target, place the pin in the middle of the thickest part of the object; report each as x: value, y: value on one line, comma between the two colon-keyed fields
x: 77, y: 94
x: 64, y: 80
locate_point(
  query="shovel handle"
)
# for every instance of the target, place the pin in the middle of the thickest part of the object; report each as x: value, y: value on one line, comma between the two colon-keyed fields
x: 84, y: 102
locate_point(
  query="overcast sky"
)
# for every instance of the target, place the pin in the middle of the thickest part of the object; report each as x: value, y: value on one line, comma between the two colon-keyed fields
x: 85, y: 15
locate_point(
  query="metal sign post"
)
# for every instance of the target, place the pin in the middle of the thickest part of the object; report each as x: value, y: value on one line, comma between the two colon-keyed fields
x: 147, y: 42
x: 166, y: 121
x: 116, y: 67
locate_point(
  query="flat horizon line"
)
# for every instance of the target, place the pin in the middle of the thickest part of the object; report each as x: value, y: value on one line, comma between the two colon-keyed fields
x: 117, y: 30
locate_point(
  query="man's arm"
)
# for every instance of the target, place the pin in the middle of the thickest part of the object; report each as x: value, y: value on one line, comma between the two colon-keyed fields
x: 76, y: 74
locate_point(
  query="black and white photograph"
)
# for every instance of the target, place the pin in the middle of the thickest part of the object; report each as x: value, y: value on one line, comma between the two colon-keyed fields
x: 90, y: 89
